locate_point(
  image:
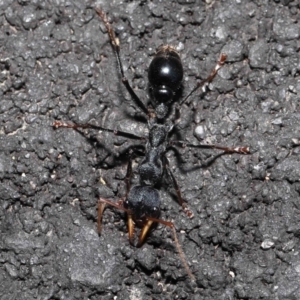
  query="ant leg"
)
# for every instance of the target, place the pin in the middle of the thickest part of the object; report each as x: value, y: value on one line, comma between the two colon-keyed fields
x: 227, y: 150
x: 146, y: 228
x: 177, y: 189
x: 204, y: 83
x: 116, y: 47
x: 130, y: 223
x: 62, y: 124
x: 101, y: 206
x: 128, y: 175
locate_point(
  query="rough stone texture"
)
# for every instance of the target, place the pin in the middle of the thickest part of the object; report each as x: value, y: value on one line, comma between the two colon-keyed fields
x: 56, y: 63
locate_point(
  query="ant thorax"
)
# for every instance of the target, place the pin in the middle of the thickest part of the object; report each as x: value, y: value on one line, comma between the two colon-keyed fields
x: 151, y: 168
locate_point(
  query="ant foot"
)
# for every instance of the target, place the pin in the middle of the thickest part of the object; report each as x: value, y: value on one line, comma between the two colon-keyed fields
x: 187, y: 211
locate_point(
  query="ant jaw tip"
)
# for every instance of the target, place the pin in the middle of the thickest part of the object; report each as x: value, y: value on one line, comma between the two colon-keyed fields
x: 138, y: 245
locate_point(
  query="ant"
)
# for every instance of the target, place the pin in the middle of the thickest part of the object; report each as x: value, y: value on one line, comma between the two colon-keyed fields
x: 142, y: 201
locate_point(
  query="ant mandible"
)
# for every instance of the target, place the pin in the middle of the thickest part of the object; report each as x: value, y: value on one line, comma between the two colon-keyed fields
x: 142, y: 202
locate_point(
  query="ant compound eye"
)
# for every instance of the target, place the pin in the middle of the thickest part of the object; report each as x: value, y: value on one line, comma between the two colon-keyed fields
x: 126, y: 203
x: 155, y: 212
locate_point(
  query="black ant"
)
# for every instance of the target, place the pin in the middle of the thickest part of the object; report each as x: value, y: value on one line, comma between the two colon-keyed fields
x: 142, y: 202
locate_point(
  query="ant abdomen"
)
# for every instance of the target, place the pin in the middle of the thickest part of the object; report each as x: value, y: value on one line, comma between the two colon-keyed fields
x: 165, y: 75
x: 165, y: 70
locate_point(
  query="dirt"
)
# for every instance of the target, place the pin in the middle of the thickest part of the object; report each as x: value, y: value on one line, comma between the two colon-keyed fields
x: 57, y: 63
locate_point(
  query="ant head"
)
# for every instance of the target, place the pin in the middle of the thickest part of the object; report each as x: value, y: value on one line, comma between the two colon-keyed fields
x: 165, y: 76
x: 143, y: 201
